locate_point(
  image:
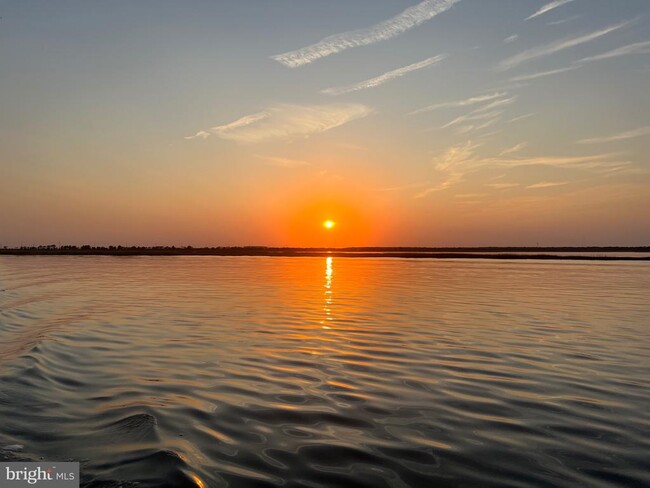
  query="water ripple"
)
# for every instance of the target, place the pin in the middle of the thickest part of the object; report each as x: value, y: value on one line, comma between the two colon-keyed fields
x: 320, y: 372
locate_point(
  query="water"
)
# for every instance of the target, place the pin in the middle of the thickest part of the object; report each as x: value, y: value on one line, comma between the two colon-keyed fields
x: 236, y: 371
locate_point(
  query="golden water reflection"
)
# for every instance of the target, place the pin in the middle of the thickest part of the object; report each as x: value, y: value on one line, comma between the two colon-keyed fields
x: 403, y: 369
x: 329, y: 273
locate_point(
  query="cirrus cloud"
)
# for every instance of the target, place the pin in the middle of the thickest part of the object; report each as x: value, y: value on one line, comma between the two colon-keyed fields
x: 409, y: 18
x: 390, y: 75
x: 622, y: 136
x: 553, y: 47
x: 548, y: 7
x: 285, y: 121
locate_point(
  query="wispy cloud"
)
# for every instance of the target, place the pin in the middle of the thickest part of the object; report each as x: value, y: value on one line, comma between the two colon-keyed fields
x: 502, y: 186
x: 451, y: 167
x: 380, y: 80
x: 521, y: 117
x: 287, y: 122
x: 472, y: 116
x: 488, y: 123
x: 473, y: 127
x: 486, y: 135
x: 511, y: 38
x: 547, y: 184
x: 636, y: 48
x: 224, y: 130
x: 598, y: 164
x: 548, y: 7
x: 460, y: 103
x: 553, y: 47
x: 589, y: 161
x: 457, y: 162
x: 283, y: 162
x: 501, y: 102
x: 514, y: 149
x: 481, y: 117
x: 564, y: 21
x: 409, y: 18
x: 630, y: 134
x: 542, y: 74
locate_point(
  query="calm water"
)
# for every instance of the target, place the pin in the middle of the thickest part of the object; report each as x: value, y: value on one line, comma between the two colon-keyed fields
x: 234, y: 371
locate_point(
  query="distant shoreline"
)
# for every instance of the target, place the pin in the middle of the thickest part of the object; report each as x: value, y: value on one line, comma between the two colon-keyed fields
x: 520, y: 253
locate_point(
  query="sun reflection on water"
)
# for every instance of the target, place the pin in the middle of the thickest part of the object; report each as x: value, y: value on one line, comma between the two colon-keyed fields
x: 329, y: 272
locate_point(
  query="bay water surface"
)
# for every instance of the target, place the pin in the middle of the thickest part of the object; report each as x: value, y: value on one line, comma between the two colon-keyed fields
x: 323, y: 372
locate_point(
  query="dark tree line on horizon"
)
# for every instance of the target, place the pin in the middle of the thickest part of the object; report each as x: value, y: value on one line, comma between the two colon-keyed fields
x: 188, y: 248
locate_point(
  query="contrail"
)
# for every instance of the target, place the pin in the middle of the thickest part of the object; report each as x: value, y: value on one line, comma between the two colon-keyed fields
x: 380, y: 80
x: 409, y: 18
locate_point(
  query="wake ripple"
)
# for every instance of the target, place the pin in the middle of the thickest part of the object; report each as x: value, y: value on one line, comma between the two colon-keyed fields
x: 247, y: 372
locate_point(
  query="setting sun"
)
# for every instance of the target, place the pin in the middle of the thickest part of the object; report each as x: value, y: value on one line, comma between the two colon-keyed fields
x: 354, y: 222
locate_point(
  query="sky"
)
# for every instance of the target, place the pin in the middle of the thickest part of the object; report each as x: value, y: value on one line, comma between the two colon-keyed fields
x: 432, y: 123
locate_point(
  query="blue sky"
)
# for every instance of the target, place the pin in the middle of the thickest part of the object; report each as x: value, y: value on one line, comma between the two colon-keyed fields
x: 445, y: 122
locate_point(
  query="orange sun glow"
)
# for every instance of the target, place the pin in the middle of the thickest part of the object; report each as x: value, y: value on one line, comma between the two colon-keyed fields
x: 329, y: 224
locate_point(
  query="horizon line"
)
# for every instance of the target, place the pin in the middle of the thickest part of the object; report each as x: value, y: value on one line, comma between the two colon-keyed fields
x: 513, y: 253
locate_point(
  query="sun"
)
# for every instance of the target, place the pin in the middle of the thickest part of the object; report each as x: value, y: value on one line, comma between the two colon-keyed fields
x: 329, y: 224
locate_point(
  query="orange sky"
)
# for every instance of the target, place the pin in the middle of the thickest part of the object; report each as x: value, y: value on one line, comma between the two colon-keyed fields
x: 226, y: 127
